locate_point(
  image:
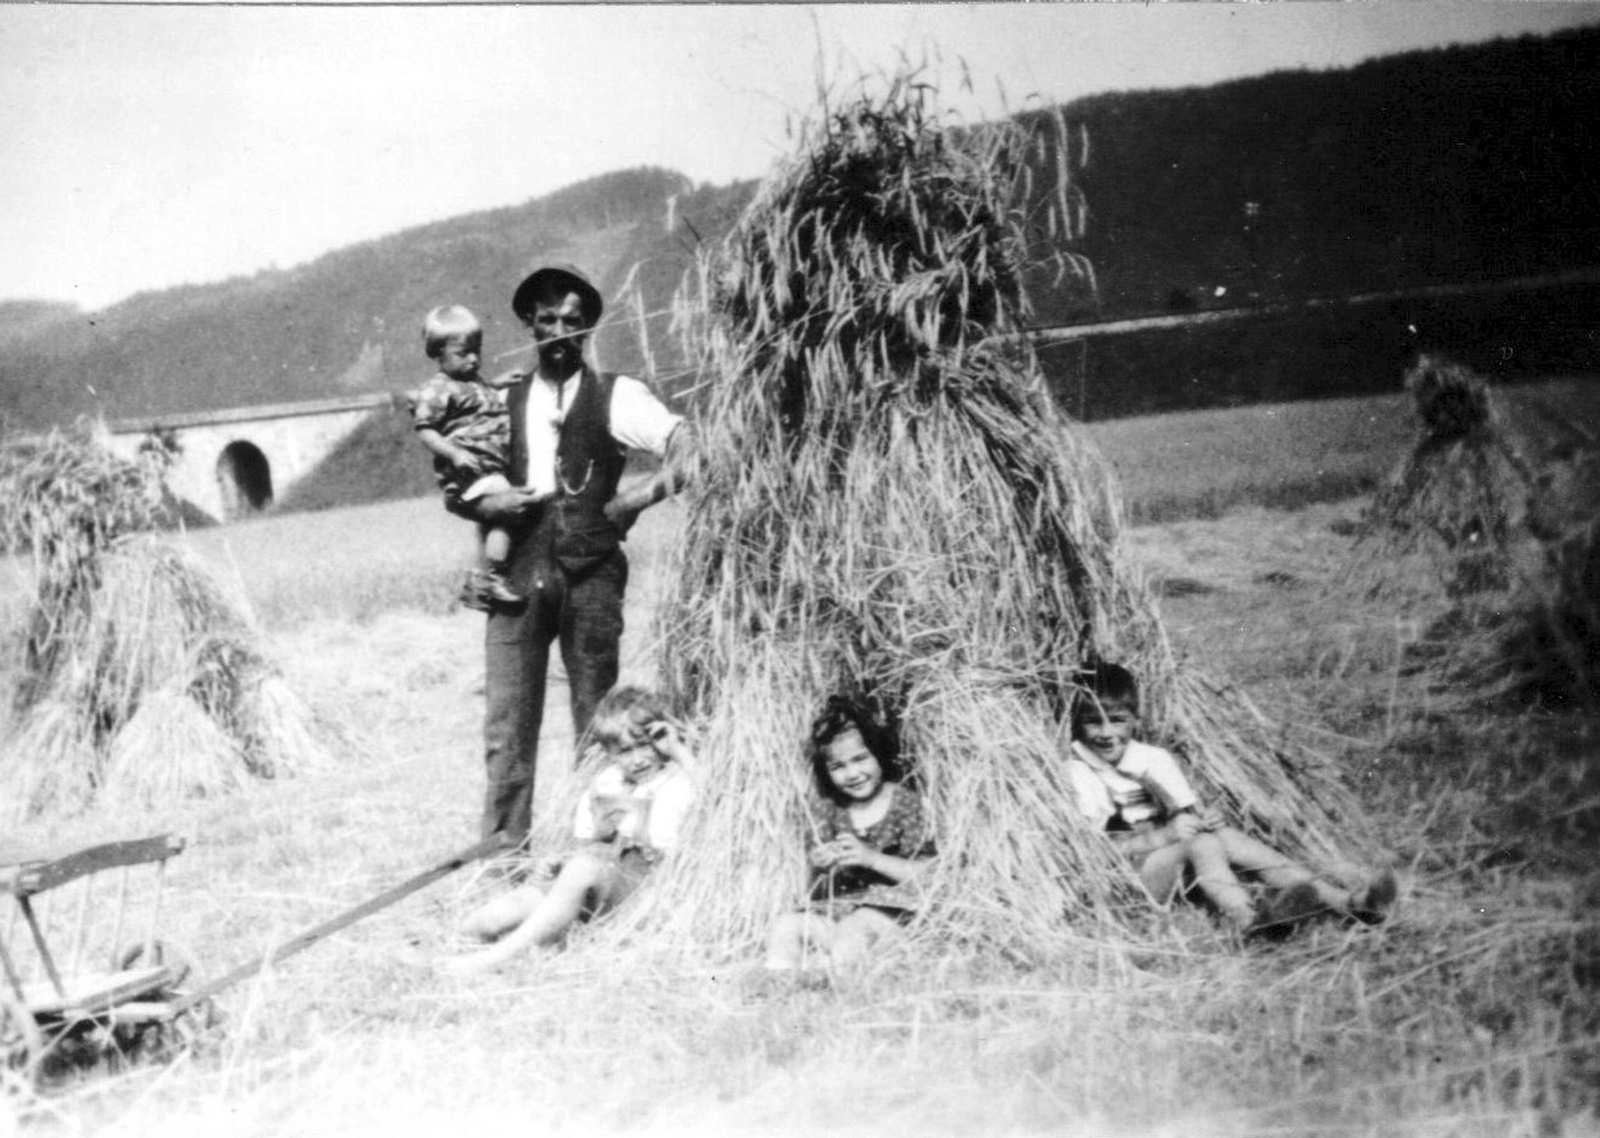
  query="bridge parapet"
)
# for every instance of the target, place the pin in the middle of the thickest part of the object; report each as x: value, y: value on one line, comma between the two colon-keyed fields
x: 235, y: 462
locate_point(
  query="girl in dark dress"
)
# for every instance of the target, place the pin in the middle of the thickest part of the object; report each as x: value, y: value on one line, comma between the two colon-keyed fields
x: 868, y: 844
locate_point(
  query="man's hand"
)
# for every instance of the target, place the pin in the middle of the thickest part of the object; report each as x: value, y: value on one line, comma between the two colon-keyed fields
x: 508, y: 378
x: 622, y: 511
x: 468, y: 463
x: 509, y: 506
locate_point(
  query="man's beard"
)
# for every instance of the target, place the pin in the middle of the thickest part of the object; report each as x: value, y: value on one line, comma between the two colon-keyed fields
x: 561, y: 355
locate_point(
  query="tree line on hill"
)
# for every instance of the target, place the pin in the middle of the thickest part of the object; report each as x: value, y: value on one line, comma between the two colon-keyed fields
x: 1458, y: 164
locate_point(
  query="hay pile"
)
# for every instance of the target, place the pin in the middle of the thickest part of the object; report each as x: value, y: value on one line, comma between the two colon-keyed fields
x: 1448, y: 519
x: 886, y: 503
x: 144, y: 677
x: 1491, y: 539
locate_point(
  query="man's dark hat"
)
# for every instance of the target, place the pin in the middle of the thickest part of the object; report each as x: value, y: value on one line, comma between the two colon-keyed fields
x: 567, y: 277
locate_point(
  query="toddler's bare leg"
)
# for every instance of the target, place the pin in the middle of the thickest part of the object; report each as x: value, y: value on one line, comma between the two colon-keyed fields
x: 857, y: 933
x: 496, y: 545
x: 498, y: 916
x: 1249, y: 855
x: 582, y: 875
x: 795, y: 937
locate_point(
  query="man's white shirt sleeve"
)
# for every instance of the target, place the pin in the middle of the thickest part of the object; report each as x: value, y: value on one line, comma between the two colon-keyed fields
x: 640, y: 421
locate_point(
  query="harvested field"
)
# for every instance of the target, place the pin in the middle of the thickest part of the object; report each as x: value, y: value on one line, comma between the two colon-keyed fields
x: 1471, y: 1015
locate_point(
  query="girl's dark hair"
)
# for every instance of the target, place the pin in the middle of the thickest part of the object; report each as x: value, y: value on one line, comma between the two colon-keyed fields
x: 1100, y: 684
x: 841, y: 714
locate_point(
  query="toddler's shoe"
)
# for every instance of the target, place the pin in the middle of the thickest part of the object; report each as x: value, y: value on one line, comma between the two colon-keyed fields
x: 499, y: 590
x: 1286, y: 910
x: 1372, y: 903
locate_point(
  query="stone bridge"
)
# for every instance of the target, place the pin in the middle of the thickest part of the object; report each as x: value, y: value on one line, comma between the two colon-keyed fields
x: 234, y: 463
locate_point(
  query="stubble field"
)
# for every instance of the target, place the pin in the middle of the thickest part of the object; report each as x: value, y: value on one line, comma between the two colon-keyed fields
x: 1475, y: 1011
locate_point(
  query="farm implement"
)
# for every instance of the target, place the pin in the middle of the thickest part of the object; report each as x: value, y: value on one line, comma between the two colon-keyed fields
x: 73, y: 992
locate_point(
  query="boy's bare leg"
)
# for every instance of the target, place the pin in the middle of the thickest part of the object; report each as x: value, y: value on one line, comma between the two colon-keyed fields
x: 856, y: 934
x: 1162, y: 869
x: 1249, y: 855
x: 583, y: 875
x: 495, y: 918
x: 1217, y: 881
x: 795, y: 937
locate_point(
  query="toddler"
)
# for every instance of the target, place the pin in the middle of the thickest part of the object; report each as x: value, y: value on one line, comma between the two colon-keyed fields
x: 868, y: 844
x: 628, y: 819
x: 1139, y: 794
x: 461, y: 418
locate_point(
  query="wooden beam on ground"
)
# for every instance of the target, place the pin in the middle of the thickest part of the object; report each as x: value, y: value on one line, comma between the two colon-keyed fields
x: 306, y: 939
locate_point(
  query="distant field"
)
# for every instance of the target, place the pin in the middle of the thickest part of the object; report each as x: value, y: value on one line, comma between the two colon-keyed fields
x: 1473, y: 1013
x: 1202, y: 464
x: 360, y: 561
x: 364, y: 560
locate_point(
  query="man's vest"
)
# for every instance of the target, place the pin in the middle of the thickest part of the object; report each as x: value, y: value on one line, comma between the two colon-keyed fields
x: 589, y: 464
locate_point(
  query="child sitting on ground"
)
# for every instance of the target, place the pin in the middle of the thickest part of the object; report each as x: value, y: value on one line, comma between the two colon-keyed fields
x: 461, y: 418
x: 868, y: 845
x: 628, y: 819
x: 1140, y: 796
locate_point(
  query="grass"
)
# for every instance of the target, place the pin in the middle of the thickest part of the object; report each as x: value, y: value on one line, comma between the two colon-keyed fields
x: 1284, y: 456
x: 1473, y: 1014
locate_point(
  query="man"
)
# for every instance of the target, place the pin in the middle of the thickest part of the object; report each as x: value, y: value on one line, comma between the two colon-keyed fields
x: 571, y: 428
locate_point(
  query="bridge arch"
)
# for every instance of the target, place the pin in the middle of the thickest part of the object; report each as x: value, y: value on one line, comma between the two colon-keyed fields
x: 234, y: 462
x: 244, y: 478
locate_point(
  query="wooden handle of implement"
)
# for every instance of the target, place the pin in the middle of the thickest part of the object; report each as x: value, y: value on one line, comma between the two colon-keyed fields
x: 306, y: 939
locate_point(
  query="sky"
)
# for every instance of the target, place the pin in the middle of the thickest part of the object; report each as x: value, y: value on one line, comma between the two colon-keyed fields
x: 143, y: 147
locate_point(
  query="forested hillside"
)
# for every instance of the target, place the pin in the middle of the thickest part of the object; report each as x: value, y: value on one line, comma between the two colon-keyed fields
x: 1468, y: 163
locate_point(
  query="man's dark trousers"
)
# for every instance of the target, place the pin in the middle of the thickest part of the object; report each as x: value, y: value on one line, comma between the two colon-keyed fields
x: 582, y: 612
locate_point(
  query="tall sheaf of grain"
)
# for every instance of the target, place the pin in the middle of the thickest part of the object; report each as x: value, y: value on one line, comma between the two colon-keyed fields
x: 1492, y: 536
x: 888, y: 503
x: 144, y: 676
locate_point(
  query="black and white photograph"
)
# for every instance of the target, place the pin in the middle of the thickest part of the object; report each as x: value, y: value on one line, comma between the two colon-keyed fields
x: 968, y: 569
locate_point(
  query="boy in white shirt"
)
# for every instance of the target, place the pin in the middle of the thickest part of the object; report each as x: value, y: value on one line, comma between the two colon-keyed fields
x: 1138, y: 794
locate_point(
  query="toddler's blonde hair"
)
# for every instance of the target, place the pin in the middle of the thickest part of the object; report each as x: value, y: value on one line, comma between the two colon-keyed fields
x: 624, y: 713
x: 448, y: 320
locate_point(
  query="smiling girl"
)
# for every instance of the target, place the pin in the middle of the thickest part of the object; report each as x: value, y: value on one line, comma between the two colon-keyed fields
x: 628, y: 819
x: 869, y: 843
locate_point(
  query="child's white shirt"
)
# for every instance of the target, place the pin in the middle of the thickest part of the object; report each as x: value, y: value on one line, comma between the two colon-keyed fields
x: 1145, y: 785
x: 661, y: 802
